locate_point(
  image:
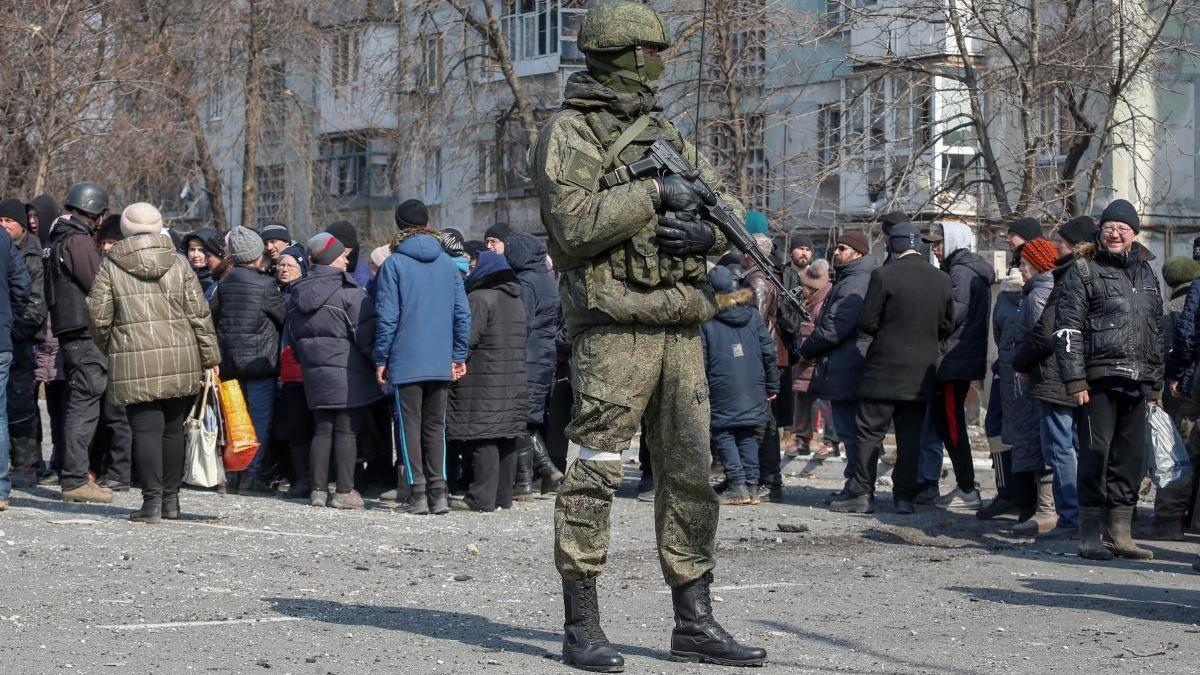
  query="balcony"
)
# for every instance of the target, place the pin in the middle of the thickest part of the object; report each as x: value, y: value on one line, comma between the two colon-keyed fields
x: 886, y: 30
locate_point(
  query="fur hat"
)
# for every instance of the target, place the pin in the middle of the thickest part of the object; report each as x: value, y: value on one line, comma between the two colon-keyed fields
x: 816, y: 275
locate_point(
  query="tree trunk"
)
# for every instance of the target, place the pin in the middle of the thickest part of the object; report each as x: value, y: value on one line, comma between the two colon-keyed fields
x: 254, y: 114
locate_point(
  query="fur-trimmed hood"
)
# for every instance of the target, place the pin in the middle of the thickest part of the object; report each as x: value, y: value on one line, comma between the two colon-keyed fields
x: 736, y: 308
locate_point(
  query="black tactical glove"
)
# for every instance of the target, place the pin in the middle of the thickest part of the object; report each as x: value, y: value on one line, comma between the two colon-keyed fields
x: 680, y: 234
x: 675, y: 193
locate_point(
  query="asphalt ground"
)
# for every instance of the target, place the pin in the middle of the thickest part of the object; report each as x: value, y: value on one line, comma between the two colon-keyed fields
x: 263, y: 585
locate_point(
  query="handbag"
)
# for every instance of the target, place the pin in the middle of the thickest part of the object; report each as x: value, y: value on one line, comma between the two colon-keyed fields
x: 202, y: 466
x: 240, y: 442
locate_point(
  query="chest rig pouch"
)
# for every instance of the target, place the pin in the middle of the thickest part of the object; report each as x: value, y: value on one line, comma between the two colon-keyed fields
x: 638, y: 260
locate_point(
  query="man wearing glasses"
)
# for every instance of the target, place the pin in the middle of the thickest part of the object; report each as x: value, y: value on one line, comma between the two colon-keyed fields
x: 1108, y: 342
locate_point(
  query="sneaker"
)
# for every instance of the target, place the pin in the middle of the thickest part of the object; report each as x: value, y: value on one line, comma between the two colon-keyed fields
x: 88, y: 492
x: 957, y: 500
x: 645, y: 490
x: 416, y: 505
x: 927, y: 494
x: 318, y: 498
x: 348, y: 500
x: 50, y: 478
x: 3, y: 504
x: 996, y: 508
x: 735, y: 495
x: 114, y: 485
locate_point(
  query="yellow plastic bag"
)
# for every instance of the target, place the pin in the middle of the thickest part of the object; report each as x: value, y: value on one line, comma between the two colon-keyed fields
x: 240, y: 442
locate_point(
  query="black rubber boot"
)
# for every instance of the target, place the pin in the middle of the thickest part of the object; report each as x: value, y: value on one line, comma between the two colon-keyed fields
x: 151, y: 511
x: 544, y: 466
x: 1091, y: 546
x: 1120, y: 520
x: 996, y: 508
x: 698, y: 638
x: 523, y: 487
x: 170, y: 506
x: 1161, y: 529
x: 585, y: 645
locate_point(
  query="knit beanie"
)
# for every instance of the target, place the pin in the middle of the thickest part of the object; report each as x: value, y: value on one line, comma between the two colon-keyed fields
x: 110, y: 228
x: 347, y: 234
x: 140, y: 218
x: 1121, y: 211
x: 299, y: 255
x: 472, y: 247
x: 498, y: 231
x: 379, y: 255
x: 1081, y: 229
x: 904, y: 237
x: 452, y: 242
x: 801, y: 240
x: 721, y: 279
x: 815, y: 275
x: 857, y: 241
x: 756, y: 222
x: 15, y: 209
x: 244, y: 245
x: 274, y: 231
x: 1026, y: 228
x: 890, y: 220
x: 411, y: 213
x: 1040, y: 254
x: 324, y: 248
x: 1180, y: 270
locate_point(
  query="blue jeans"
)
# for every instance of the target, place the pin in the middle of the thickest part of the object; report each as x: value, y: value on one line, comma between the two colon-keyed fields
x: 929, y: 464
x: 843, y: 417
x: 1060, y: 444
x: 738, y: 448
x: 260, y: 402
x: 5, y: 443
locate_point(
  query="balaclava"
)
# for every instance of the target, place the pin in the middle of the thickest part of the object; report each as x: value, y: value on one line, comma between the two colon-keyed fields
x: 629, y: 71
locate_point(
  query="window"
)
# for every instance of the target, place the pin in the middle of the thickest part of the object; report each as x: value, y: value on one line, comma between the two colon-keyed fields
x: 353, y: 166
x: 1053, y: 128
x: 877, y: 103
x: 891, y: 112
x: 829, y: 134
x: 571, y: 20
x: 955, y: 118
x: 486, y: 154
x: 855, y: 109
x: 758, y: 169
x: 431, y: 61
x: 269, y: 183
x: 345, y: 58
x: 274, y: 96
x: 433, y: 177
x: 530, y: 27
x: 750, y: 52
x: 834, y: 15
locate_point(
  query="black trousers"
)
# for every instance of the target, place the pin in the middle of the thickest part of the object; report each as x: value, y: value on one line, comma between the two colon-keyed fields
x: 950, y: 422
x: 56, y: 403
x: 299, y: 431
x: 24, y: 418
x: 87, y: 376
x: 335, y: 430
x: 493, y: 470
x: 872, y: 419
x: 1112, y: 440
x: 769, y: 472
x: 159, y: 444
x: 421, y: 433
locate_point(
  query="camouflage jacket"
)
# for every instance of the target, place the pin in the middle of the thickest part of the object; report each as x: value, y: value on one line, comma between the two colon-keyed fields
x: 602, y: 240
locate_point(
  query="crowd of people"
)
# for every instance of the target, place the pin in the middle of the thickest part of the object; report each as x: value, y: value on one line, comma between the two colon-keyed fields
x: 431, y: 367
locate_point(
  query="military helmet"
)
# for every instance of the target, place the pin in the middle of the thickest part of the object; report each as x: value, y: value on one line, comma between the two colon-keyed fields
x: 88, y: 198
x: 613, y: 26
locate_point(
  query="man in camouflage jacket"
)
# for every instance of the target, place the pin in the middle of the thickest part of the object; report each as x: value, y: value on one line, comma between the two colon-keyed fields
x: 634, y: 292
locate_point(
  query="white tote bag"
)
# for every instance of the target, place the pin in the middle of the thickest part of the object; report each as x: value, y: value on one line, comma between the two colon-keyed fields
x: 202, y: 463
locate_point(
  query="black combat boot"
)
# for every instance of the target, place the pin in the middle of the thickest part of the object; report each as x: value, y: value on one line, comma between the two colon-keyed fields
x: 523, y: 487
x: 698, y: 637
x: 584, y: 644
x: 151, y: 511
x: 1091, y: 544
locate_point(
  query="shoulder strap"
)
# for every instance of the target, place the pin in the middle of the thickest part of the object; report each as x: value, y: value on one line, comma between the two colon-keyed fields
x: 631, y: 132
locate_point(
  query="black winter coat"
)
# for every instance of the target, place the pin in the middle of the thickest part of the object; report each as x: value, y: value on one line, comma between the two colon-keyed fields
x: 331, y: 327
x: 909, y: 310
x: 248, y: 312
x: 29, y: 315
x: 740, y: 362
x: 491, y: 400
x: 543, y: 314
x: 1035, y: 354
x: 966, y: 351
x: 836, y: 344
x: 1109, y: 320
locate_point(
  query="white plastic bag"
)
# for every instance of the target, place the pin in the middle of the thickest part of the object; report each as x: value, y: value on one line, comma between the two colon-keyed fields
x: 1166, y: 455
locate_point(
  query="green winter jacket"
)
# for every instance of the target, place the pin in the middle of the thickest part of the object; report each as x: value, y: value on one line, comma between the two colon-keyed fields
x: 148, y: 314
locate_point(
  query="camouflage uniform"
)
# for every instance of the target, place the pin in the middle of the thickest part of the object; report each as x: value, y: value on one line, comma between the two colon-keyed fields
x: 633, y: 314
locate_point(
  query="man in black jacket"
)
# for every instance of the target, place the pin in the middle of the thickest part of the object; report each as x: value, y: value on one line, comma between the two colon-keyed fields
x: 1108, y: 340
x: 963, y: 361
x: 543, y: 311
x: 28, y: 318
x: 71, y: 262
x: 248, y: 313
x: 908, y: 310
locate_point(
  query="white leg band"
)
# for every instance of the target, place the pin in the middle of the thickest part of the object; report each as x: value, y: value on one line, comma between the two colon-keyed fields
x: 593, y: 455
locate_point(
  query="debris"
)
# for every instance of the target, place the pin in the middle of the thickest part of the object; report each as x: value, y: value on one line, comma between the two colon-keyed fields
x: 462, y: 577
x: 792, y: 527
x: 472, y: 549
x: 1163, y: 652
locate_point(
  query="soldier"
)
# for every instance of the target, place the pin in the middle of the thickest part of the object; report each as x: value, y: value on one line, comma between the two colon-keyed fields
x: 634, y: 293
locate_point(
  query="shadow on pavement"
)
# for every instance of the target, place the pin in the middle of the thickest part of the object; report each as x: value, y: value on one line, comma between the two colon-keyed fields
x: 862, y: 648
x: 468, y: 629
x: 1135, y: 602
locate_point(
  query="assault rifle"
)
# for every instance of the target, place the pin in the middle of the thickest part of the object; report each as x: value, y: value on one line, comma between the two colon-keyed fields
x: 662, y: 159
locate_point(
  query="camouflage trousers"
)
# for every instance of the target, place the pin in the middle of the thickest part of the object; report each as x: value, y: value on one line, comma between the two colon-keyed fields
x: 624, y: 376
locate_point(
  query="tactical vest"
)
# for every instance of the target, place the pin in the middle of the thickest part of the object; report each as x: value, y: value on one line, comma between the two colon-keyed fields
x: 638, y: 260
x: 65, y: 297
